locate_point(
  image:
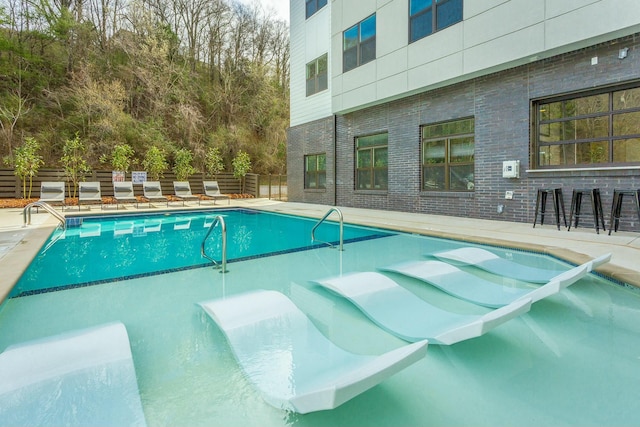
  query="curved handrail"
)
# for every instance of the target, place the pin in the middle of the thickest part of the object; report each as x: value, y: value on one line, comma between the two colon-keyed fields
x: 313, y: 230
x: 217, y: 220
x: 26, y: 213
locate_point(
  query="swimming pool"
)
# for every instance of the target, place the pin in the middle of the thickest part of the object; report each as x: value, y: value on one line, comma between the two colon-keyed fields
x: 572, y: 360
x: 141, y: 245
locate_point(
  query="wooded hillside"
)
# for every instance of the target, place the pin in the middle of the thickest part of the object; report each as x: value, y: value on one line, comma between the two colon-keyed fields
x: 174, y: 74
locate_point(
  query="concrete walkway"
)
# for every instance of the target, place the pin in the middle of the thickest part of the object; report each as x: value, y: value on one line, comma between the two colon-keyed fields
x: 18, y: 244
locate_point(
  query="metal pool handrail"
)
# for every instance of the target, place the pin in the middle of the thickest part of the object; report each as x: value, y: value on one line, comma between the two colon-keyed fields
x: 26, y: 213
x: 217, y: 220
x: 313, y: 230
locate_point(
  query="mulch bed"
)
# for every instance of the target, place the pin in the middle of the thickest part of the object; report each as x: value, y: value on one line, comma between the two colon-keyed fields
x: 73, y: 201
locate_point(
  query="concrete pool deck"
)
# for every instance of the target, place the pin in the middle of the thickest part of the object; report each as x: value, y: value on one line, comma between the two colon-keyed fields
x: 18, y: 244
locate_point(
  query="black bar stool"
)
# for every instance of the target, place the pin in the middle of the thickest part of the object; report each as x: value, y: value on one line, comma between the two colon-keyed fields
x: 596, y: 205
x: 616, y: 206
x: 541, y: 203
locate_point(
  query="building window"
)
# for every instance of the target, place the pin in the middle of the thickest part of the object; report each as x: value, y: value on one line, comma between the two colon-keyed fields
x: 315, y: 171
x: 428, y: 16
x: 448, y: 156
x: 314, y: 5
x: 371, y: 162
x: 595, y: 129
x: 359, y: 44
x: 317, y: 79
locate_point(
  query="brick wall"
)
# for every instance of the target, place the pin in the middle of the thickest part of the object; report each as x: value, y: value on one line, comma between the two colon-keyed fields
x: 501, y: 105
x: 311, y: 138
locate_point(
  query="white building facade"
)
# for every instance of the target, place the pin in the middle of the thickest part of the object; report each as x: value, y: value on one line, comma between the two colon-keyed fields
x: 421, y: 105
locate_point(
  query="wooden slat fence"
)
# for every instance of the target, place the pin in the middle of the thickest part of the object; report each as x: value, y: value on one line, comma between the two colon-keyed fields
x: 11, y: 186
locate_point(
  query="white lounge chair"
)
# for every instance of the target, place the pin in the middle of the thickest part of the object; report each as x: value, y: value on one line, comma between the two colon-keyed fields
x: 182, y: 191
x: 52, y: 192
x: 411, y: 318
x: 123, y: 193
x: 212, y: 192
x: 472, y: 288
x: 492, y: 263
x: 293, y: 365
x: 83, y: 378
x: 89, y: 193
x: 152, y: 192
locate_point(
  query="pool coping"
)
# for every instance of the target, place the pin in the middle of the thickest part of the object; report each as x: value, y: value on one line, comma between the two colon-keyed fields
x: 16, y: 260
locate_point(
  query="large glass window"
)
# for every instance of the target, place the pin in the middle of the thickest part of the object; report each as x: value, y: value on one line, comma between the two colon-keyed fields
x: 359, y: 44
x: 317, y: 75
x: 371, y: 162
x: 429, y: 16
x: 314, y: 5
x: 315, y: 171
x: 448, y: 156
x: 589, y: 130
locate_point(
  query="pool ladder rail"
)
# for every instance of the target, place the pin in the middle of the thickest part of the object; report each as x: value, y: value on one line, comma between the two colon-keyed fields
x: 26, y: 213
x: 313, y: 230
x: 223, y: 227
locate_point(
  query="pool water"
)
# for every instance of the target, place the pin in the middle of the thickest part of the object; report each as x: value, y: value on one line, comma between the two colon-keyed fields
x: 574, y: 359
x: 137, y: 245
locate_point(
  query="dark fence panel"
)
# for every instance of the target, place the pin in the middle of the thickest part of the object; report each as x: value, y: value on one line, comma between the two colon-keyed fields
x: 11, y: 186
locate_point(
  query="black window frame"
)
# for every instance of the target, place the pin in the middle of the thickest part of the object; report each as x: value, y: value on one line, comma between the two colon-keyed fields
x: 363, y: 49
x: 319, y: 184
x: 312, y: 6
x: 433, y: 8
x: 320, y: 80
x: 375, y: 151
x: 447, y: 168
x: 556, y: 119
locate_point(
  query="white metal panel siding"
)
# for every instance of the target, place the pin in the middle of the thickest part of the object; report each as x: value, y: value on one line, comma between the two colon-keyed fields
x: 309, y: 38
x: 494, y: 35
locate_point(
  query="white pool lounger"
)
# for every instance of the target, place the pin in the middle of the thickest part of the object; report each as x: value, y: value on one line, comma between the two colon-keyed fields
x: 469, y: 287
x: 492, y: 263
x: 81, y: 378
x: 292, y: 364
x: 409, y: 317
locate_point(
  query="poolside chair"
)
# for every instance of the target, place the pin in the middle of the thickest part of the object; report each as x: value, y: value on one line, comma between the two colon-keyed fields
x: 411, y: 318
x: 152, y: 192
x: 123, y: 193
x: 52, y: 192
x: 89, y: 193
x: 182, y: 190
x: 293, y: 365
x: 86, y: 377
x: 212, y: 192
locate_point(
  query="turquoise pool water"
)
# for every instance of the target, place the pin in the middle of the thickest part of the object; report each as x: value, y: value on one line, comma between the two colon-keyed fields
x: 574, y: 359
x: 100, y: 249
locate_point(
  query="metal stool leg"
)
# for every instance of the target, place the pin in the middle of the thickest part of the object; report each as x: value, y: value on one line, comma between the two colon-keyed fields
x: 574, y: 209
x: 615, y: 211
x: 535, y: 215
x: 561, y: 198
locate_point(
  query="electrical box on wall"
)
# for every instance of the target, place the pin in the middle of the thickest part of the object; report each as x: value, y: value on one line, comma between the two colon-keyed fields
x: 511, y: 169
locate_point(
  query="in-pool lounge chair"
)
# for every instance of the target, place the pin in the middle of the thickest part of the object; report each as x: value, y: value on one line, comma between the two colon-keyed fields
x: 293, y: 365
x: 182, y: 190
x: 52, y: 192
x: 411, y: 318
x: 123, y: 193
x: 488, y: 261
x: 82, y: 378
x: 152, y: 192
x: 212, y: 192
x: 472, y: 288
x: 89, y: 193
